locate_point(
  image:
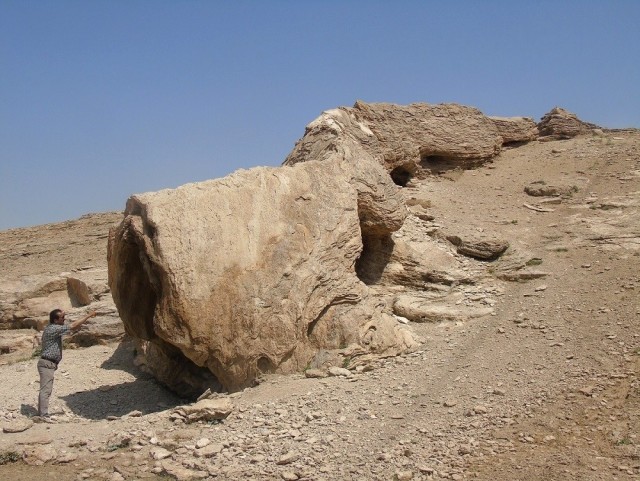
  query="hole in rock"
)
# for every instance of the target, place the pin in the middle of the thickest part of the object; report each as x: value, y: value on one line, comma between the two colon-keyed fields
x: 515, y: 143
x: 265, y: 365
x: 401, y: 176
x: 376, y: 252
x: 439, y: 164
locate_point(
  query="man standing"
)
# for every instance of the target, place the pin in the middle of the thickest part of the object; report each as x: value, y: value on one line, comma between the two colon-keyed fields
x: 51, y: 354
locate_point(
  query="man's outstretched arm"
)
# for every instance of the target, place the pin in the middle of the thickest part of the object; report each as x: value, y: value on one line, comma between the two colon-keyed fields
x: 76, y: 324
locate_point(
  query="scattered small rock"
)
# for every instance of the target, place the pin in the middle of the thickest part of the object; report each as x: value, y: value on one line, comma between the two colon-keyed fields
x: 288, y: 458
x: 160, y: 453
x: 480, y: 409
x: 17, y: 426
x: 339, y: 371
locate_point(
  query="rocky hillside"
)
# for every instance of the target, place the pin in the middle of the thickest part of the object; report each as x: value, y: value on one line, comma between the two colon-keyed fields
x: 517, y: 276
x: 56, y: 265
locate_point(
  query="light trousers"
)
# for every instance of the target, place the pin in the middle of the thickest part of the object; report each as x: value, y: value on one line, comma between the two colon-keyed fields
x: 46, y: 369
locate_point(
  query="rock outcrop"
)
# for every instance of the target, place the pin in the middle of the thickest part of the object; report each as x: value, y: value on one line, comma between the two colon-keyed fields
x: 61, y: 265
x: 25, y: 340
x: 418, y: 308
x: 411, y: 140
x: 560, y: 124
x: 259, y: 271
x: 514, y: 130
x: 255, y: 272
x: 28, y: 305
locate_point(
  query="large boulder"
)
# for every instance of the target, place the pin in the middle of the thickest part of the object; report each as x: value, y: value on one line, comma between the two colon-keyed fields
x: 413, y: 139
x: 255, y: 273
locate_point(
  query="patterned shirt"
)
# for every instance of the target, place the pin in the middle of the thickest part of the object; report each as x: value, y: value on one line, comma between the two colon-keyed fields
x: 52, y: 342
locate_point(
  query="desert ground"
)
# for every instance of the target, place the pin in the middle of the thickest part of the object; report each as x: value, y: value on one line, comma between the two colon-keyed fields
x: 544, y: 388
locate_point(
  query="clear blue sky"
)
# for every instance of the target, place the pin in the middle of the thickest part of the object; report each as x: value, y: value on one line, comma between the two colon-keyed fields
x: 103, y: 99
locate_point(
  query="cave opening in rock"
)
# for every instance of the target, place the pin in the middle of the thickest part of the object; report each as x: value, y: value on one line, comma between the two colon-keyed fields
x: 438, y: 164
x: 401, y: 176
x: 376, y: 253
x: 265, y: 365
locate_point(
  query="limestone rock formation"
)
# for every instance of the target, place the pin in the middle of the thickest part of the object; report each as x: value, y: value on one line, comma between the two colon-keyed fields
x: 27, y: 307
x: 559, y: 123
x: 515, y: 129
x: 260, y: 271
x: 61, y: 265
x: 87, y: 285
x: 255, y: 272
x: 18, y: 340
x: 411, y: 140
x: 106, y: 327
x: 394, y: 261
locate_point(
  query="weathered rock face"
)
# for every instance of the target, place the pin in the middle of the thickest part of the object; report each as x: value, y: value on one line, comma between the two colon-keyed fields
x: 27, y: 307
x: 409, y: 140
x: 255, y: 272
x: 21, y: 340
x: 418, y: 308
x: 515, y: 129
x: 562, y: 124
x: 59, y: 265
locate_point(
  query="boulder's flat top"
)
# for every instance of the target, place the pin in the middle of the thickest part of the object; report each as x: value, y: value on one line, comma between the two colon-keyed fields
x: 545, y: 389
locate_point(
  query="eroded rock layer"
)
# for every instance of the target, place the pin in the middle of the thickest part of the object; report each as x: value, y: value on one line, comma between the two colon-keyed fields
x: 413, y: 138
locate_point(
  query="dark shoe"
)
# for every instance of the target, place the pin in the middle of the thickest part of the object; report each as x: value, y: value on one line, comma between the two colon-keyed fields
x: 43, y: 419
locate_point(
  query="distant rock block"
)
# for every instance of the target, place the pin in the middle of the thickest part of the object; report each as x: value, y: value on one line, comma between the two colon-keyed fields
x: 408, y: 139
x: 482, y: 249
x: 560, y: 124
x: 515, y: 130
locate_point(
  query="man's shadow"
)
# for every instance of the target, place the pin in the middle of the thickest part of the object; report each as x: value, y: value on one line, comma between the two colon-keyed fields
x: 28, y: 410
